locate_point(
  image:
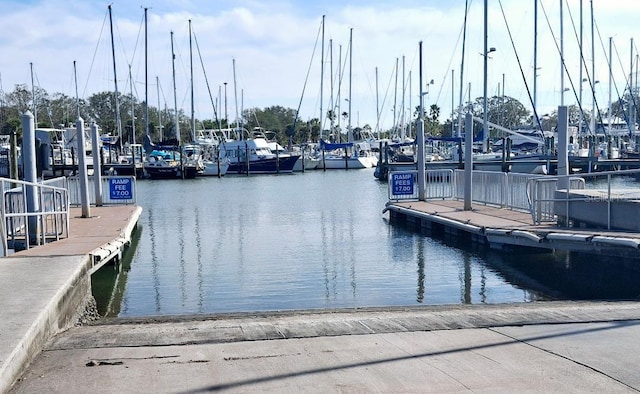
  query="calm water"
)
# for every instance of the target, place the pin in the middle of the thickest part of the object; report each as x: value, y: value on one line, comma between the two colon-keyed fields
x: 320, y: 240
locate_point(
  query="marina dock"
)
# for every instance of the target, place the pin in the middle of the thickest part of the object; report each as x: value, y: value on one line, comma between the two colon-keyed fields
x: 502, y: 228
x: 44, y: 290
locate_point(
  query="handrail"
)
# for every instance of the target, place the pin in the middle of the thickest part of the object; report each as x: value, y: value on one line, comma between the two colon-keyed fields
x: 49, y: 220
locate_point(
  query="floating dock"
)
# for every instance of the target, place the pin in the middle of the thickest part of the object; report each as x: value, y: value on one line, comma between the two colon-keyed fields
x: 503, y: 228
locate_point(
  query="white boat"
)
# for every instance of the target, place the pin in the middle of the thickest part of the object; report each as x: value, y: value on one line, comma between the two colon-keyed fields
x: 208, y: 141
x: 253, y: 156
x: 306, y: 160
x: 343, y: 156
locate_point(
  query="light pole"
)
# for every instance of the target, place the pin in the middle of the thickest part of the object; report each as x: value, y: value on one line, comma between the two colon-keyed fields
x: 485, y: 126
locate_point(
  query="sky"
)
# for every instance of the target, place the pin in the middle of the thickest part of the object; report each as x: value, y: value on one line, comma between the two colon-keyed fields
x: 267, y: 53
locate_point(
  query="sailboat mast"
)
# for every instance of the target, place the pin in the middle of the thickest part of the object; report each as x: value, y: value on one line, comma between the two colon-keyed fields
x: 561, y: 56
x: 75, y: 79
x: 235, y: 93
x: 377, y: 106
x: 593, y: 74
x: 464, y: 42
x: 133, y: 112
x: 331, y: 102
x: 33, y: 96
x: 581, y: 44
x: 350, y: 132
x: 610, y: 80
x: 146, y: 83
x: 193, y: 113
x: 485, y: 126
x: 403, y: 134
x: 535, y: 54
x: 175, y: 94
x: 115, y: 80
x: 160, y: 127
x: 321, y: 78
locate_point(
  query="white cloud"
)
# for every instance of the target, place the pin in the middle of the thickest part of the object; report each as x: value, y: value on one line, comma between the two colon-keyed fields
x: 272, y: 45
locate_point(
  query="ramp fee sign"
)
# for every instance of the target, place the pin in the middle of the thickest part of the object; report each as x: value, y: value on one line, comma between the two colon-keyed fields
x: 120, y: 189
x: 402, y: 183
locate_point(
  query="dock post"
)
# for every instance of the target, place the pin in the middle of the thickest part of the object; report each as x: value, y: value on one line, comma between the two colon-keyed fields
x: 97, y: 167
x: 468, y: 160
x: 563, y: 142
x: 82, y: 169
x: 30, y: 175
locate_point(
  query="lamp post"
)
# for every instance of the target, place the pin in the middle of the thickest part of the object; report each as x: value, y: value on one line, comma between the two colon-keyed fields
x: 485, y: 126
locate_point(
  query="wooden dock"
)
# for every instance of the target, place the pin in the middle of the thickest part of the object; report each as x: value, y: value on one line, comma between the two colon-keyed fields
x: 502, y: 228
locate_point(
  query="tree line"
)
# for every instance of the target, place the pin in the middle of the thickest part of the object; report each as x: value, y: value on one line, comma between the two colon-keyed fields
x: 59, y: 110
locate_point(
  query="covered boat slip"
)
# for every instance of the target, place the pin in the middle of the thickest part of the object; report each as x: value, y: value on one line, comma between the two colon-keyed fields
x: 518, y: 210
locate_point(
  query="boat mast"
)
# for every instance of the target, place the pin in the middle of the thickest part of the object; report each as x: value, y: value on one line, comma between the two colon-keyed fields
x: 321, y: 78
x: 235, y: 92
x: 464, y: 41
x: 581, y: 43
x: 193, y: 113
x: 115, y: 80
x: 535, y: 54
x: 561, y: 57
x: 331, y: 102
x: 485, y: 126
x: 377, y: 106
x: 610, y: 80
x: 33, y: 95
x: 175, y: 94
x: 403, y: 134
x: 395, y: 99
x: 133, y: 112
x: 146, y: 84
x: 349, y: 131
x: 160, y: 127
x: 593, y: 75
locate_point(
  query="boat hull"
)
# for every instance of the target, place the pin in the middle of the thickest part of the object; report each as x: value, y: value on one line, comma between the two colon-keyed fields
x: 171, y: 172
x: 273, y: 165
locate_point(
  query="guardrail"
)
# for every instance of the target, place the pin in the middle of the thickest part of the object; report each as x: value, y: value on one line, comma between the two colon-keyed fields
x: 32, y: 214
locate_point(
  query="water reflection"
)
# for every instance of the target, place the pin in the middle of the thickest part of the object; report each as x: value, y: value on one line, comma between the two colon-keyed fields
x: 318, y: 240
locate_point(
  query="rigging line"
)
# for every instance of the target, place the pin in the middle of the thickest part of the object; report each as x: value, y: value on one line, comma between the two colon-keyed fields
x: 93, y: 60
x: 583, y: 62
x: 304, y: 86
x: 135, y: 48
x: 610, y: 62
x: 627, y: 84
x: 526, y: 85
x: 215, y: 113
x: 564, y: 64
x: 47, y: 102
x: 122, y: 47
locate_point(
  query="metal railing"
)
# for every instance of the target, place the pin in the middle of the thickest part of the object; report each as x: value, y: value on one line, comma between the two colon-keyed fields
x: 108, y: 197
x: 32, y: 214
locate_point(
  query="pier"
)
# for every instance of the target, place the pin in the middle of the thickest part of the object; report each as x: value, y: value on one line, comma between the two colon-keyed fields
x: 45, y: 289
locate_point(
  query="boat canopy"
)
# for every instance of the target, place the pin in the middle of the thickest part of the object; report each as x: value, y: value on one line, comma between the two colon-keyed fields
x: 331, y: 146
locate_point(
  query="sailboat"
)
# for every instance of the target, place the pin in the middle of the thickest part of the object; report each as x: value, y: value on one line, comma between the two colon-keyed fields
x: 349, y: 155
x: 169, y: 160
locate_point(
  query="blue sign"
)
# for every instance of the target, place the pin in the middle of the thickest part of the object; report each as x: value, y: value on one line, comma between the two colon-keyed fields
x: 121, y: 188
x: 402, y: 183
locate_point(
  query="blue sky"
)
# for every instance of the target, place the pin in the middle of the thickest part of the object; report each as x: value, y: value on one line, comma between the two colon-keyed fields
x: 272, y: 45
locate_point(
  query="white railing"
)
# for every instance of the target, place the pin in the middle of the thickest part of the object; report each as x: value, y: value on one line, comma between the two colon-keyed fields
x: 32, y: 214
x: 108, y: 197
